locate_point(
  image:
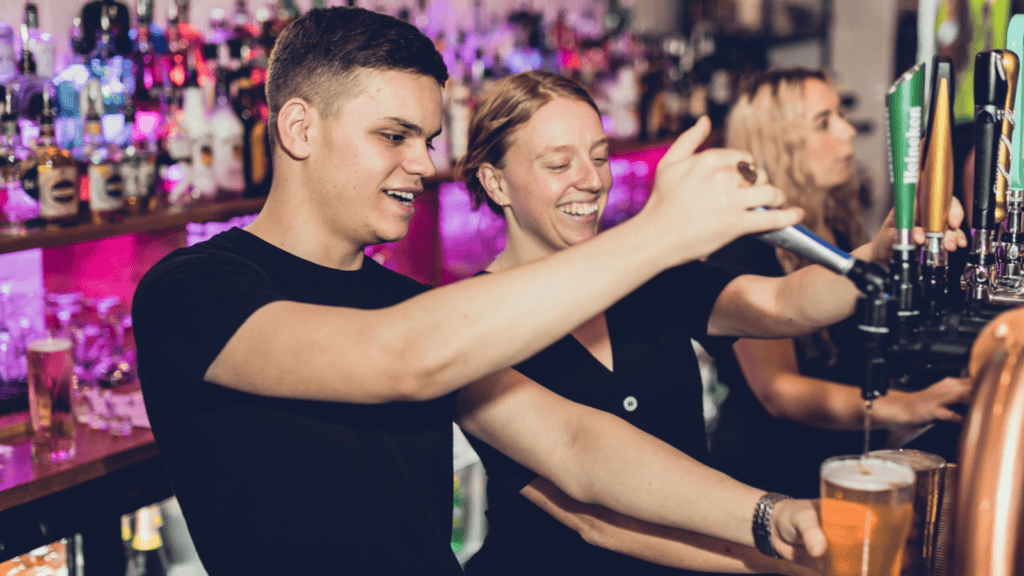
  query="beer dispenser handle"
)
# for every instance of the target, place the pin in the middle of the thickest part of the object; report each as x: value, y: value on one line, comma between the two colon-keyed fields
x: 935, y: 189
x: 1010, y: 250
x: 904, y: 114
x: 989, y: 98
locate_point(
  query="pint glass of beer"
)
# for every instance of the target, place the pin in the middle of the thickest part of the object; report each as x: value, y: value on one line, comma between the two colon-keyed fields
x: 866, y: 509
x: 50, y: 391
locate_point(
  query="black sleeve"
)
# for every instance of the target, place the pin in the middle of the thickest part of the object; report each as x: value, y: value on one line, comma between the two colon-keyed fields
x: 187, y: 308
x: 748, y: 256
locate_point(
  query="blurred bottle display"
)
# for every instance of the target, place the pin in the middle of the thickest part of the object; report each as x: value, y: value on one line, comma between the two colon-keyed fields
x: 192, y: 105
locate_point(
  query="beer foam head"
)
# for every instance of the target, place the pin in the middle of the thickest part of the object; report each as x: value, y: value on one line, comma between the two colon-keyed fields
x: 49, y: 345
x: 868, y: 474
x: 916, y: 459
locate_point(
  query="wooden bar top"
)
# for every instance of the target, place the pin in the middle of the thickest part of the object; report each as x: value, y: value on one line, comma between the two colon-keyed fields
x: 97, y: 453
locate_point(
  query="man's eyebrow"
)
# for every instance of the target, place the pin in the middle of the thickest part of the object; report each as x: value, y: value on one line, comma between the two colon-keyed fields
x: 412, y: 126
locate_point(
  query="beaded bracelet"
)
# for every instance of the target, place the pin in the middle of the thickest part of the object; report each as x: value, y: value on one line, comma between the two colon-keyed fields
x: 762, y: 525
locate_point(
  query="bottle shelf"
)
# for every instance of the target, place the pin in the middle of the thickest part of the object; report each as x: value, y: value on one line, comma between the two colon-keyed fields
x: 163, y: 218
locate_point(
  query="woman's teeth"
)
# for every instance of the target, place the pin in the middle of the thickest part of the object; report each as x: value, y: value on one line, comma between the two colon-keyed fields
x: 579, y: 208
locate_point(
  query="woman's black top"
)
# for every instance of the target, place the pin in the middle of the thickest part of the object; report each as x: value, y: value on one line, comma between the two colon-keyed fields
x: 748, y: 443
x: 655, y: 385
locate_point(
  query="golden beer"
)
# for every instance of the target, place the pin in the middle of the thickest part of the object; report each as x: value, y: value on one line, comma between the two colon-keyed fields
x: 866, y: 509
x: 50, y: 391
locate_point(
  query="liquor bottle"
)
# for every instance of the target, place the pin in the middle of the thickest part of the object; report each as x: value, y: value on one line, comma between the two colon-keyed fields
x: 38, y: 44
x: 8, y: 59
x: 149, y: 558
x: 196, y: 124
x: 28, y: 88
x: 138, y: 169
x: 255, y: 140
x: 110, y: 16
x: 56, y: 174
x: 255, y: 144
x: 144, y: 59
x: 99, y: 160
x: 174, y: 166
x: 227, y: 130
x: 15, y: 160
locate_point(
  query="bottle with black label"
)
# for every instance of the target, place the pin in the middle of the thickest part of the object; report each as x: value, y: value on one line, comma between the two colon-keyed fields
x: 55, y: 174
x: 255, y: 140
x: 99, y: 160
x: 138, y: 169
x: 15, y: 160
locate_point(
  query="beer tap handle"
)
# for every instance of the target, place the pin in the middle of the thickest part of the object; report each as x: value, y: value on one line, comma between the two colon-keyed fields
x: 989, y: 100
x: 904, y: 108
x: 867, y: 276
x: 990, y: 87
x: 1011, y: 65
x: 1015, y: 42
x: 1010, y: 250
x: 904, y: 111
x: 935, y: 188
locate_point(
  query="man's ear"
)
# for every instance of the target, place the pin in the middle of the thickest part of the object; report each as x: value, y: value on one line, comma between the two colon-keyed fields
x: 294, y: 123
x: 494, y: 183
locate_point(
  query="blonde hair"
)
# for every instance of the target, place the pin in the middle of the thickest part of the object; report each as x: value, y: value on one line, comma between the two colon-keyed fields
x: 769, y: 121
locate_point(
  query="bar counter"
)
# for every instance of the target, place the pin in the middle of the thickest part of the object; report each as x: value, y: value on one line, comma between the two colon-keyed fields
x: 109, y: 476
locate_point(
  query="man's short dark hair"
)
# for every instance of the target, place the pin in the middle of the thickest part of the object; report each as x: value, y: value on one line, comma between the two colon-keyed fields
x: 318, y: 57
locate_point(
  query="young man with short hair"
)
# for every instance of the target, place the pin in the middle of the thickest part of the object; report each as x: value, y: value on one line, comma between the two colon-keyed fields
x: 302, y: 395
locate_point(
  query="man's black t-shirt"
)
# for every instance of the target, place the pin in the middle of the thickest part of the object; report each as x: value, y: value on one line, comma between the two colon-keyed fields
x: 655, y: 385
x: 279, y: 486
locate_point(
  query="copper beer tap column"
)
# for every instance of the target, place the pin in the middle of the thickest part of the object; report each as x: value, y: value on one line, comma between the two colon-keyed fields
x: 989, y: 535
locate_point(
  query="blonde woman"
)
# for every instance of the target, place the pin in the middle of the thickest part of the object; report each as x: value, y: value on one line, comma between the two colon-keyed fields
x: 801, y: 393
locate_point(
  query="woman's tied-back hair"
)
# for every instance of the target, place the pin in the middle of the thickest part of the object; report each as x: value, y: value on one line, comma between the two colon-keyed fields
x: 319, y: 56
x: 506, y: 105
x: 769, y: 121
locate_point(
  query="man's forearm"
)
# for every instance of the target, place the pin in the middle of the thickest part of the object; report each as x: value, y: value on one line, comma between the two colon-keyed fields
x: 682, y: 549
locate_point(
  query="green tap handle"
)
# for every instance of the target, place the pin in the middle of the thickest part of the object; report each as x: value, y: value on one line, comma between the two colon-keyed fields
x: 904, y: 109
x: 1015, y: 43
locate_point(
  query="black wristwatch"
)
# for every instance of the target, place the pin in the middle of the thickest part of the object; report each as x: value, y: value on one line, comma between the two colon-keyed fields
x: 762, y: 525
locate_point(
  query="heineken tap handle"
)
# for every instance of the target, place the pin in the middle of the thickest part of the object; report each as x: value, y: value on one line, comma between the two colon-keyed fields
x: 904, y: 106
x: 903, y: 113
